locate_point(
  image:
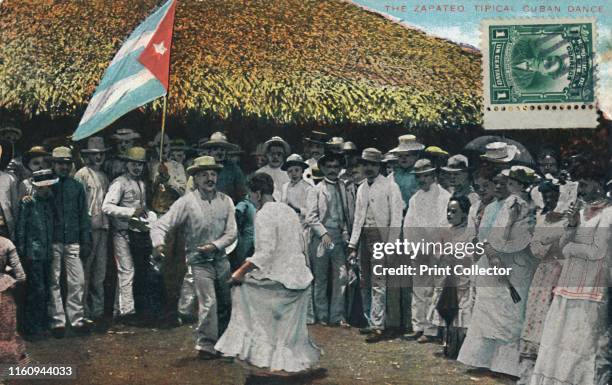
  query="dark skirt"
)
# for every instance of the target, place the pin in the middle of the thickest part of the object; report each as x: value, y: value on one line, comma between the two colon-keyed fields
x: 454, y: 340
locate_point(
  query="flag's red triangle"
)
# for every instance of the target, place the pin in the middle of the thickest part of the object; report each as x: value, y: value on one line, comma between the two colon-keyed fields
x: 156, y: 55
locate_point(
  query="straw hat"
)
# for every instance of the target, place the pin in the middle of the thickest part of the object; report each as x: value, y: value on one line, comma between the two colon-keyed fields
x: 218, y: 139
x: 436, y: 151
x: 34, y: 152
x: 390, y: 157
x: 294, y: 160
x: 521, y: 174
x: 499, y: 152
x: 43, y: 178
x: 203, y: 163
x: 407, y: 144
x: 350, y: 148
x: 125, y: 134
x: 61, y: 154
x: 135, y: 154
x: 423, y: 166
x: 335, y: 144
x: 95, y: 144
x: 371, y: 154
x: 456, y: 163
x: 278, y: 141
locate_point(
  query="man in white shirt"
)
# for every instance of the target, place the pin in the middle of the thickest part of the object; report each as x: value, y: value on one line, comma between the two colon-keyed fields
x: 425, y: 218
x: 209, y: 224
x: 94, y: 265
x: 125, y: 200
x: 378, y: 217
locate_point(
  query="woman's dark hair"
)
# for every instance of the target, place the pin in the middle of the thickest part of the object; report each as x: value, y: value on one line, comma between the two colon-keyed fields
x: 463, y: 202
x: 261, y: 182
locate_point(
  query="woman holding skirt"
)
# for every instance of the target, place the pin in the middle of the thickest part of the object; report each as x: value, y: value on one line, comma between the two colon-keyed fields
x: 267, y: 328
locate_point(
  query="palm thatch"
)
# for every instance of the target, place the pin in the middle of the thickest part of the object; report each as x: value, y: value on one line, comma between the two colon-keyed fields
x: 290, y: 62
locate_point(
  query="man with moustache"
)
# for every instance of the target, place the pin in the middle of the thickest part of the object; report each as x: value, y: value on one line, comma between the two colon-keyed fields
x: 378, y: 217
x: 207, y: 217
x: 276, y: 150
x: 71, y: 240
x: 425, y: 219
x: 314, y: 148
x: 94, y: 264
x: 124, y: 139
x: 125, y: 201
x: 329, y: 216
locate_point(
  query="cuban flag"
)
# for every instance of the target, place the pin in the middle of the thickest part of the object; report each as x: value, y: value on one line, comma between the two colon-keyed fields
x: 137, y: 75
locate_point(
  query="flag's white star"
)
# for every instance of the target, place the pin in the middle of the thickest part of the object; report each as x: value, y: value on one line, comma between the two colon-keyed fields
x: 159, y: 48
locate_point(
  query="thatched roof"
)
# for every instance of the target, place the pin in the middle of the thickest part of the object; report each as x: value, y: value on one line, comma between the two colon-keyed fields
x: 296, y: 61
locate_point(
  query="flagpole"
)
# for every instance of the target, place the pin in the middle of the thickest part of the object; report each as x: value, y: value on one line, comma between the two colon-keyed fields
x: 163, y: 130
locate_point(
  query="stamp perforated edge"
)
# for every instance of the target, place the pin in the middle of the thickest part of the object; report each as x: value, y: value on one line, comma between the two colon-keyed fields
x: 529, y: 116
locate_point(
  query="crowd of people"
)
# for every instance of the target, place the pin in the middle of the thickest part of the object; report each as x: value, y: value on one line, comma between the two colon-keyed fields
x: 291, y: 245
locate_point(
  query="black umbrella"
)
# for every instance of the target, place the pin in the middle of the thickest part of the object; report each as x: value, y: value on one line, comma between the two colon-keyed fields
x: 478, y: 147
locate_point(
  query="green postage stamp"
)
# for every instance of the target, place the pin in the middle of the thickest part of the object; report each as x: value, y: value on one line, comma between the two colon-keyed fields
x: 539, y: 73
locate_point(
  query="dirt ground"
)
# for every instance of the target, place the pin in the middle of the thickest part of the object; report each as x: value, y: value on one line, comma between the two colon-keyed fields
x: 150, y: 356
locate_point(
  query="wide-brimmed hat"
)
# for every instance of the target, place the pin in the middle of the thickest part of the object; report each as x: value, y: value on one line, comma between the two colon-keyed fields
x: 390, y: 157
x: 95, y: 144
x: 294, y: 160
x: 407, y: 143
x: 330, y: 155
x: 135, y: 154
x: 13, y: 132
x: 43, y: 178
x: 203, y: 163
x: 371, y: 154
x: 316, y: 137
x: 456, y: 163
x: 34, y: 152
x: 423, y: 166
x: 317, y: 174
x: 335, y: 144
x: 349, y: 148
x: 125, y: 134
x: 61, y: 154
x: 179, y: 145
x: 499, y: 152
x: 521, y: 174
x: 276, y: 141
x: 436, y: 151
x: 218, y: 139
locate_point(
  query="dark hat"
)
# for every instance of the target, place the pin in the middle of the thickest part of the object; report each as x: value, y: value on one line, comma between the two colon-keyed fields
x: 330, y: 156
x: 316, y: 137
